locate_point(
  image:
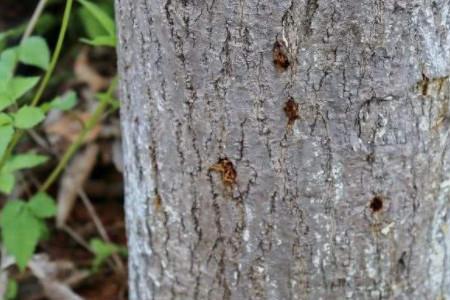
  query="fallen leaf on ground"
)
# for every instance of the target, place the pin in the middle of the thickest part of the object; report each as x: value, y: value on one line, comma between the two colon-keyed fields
x: 56, y: 277
x: 70, y: 125
x: 77, y: 172
x: 86, y: 73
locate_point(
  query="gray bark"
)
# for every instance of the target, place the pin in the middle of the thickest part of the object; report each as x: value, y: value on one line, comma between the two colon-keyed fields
x: 347, y: 201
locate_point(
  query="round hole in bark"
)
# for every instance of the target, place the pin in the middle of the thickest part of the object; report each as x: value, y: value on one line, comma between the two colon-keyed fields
x: 370, y: 158
x: 376, y: 204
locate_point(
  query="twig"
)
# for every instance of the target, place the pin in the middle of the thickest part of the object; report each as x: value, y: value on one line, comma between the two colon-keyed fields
x: 78, y: 238
x: 40, y: 141
x: 34, y: 19
x: 100, y: 228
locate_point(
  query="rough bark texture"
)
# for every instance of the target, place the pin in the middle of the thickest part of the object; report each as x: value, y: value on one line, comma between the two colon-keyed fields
x: 347, y: 198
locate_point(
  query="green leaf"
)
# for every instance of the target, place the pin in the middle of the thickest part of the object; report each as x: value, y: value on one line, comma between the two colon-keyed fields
x: 24, y: 161
x: 10, y: 34
x: 8, y: 60
x: 5, y: 119
x: 64, y: 102
x: 103, y: 18
x: 20, y: 232
x: 10, y: 211
x: 46, y: 22
x: 42, y: 205
x: 104, y: 40
x: 102, y: 251
x: 6, y: 134
x: 14, y: 89
x: 28, y: 117
x: 11, y: 290
x: 44, y: 232
x: 105, y: 97
x: 7, y: 182
x: 34, y: 51
x: 92, y: 27
x: 20, y: 85
x: 5, y: 100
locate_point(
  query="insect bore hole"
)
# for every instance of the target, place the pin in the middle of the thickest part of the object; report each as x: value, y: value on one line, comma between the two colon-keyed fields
x: 291, y: 110
x: 226, y: 168
x: 280, y: 57
x: 376, y: 204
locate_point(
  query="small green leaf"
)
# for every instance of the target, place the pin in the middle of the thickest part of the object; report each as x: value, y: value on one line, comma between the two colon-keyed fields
x: 5, y: 100
x: 102, y: 251
x: 34, y: 51
x: 7, y: 182
x: 42, y: 205
x: 105, y: 40
x: 64, y: 102
x: 6, y: 134
x: 14, y: 89
x: 46, y: 22
x: 20, y: 85
x: 5, y: 119
x: 20, y: 233
x: 92, y: 27
x: 44, y: 232
x: 28, y: 117
x: 24, y: 161
x: 10, y: 211
x: 10, y: 34
x: 11, y: 290
x: 103, y: 18
x: 8, y: 60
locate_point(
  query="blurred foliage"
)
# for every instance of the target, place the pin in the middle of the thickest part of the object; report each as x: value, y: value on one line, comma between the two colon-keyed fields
x: 22, y: 222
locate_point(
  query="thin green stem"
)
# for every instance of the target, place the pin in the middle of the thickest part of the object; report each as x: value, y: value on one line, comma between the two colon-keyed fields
x: 56, y: 53
x: 93, y: 120
x: 98, y: 113
x: 62, y: 33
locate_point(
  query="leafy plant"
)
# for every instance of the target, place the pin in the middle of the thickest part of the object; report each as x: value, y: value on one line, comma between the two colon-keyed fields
x: 32, y: 51
x: 103, y: 250
x: 44, y: 24
x: 64, y: 102
x: 22, y: 225
x: 99, y: 25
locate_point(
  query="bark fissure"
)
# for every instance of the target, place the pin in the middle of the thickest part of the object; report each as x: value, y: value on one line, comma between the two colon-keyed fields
x: 298, y: 219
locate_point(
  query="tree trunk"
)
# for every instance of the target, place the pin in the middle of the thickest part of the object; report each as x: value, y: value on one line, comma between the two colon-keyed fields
x: 286, y: 149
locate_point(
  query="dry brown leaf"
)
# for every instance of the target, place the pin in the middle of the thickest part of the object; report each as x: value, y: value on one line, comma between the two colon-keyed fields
x: 86, y: 73
x: 55, y: 276
x: 69, y: 126
x: 73, y: 179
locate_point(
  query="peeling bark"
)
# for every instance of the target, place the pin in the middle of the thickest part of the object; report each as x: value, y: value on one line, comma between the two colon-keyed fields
x: 348, y: 200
